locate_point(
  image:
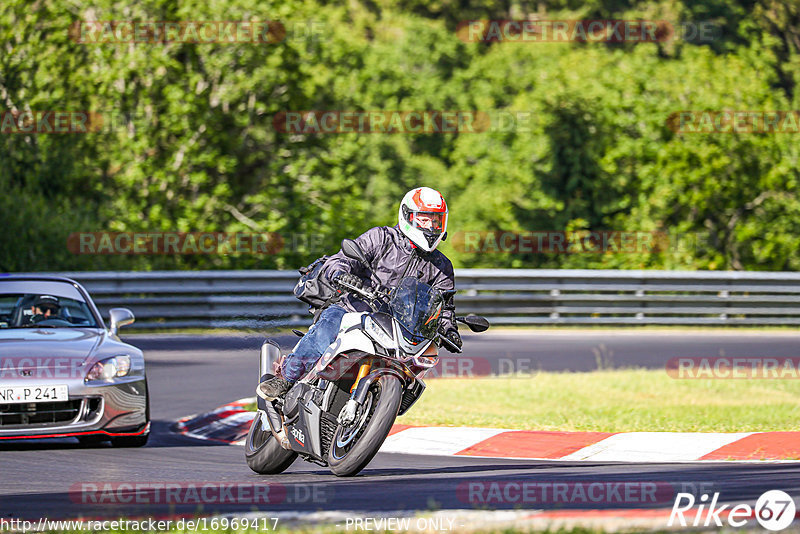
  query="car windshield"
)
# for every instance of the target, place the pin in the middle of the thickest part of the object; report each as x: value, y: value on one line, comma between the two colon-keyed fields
x: 417, y: 307
x: 32, y: 310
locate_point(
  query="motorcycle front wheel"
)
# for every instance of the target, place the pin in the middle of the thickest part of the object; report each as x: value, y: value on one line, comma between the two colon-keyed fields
x: 353, y: 447
x: 262, y: 451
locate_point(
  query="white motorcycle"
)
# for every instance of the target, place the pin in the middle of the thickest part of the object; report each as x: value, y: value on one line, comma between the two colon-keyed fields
x: 340, y: 413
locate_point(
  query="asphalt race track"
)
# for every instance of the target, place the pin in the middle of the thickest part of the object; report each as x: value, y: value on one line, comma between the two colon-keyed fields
x: 191, y: 374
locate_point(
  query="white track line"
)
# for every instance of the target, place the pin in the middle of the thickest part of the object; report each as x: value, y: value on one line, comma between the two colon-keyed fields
x: 438, y: 441
x: 655, y: 446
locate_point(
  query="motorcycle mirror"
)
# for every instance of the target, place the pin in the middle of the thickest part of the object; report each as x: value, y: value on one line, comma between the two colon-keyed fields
x: 476, y: 323
x: 351, y: 249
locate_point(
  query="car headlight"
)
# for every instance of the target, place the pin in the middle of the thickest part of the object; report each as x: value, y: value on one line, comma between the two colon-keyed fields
x: 109, y: 368
x: 377, y: 333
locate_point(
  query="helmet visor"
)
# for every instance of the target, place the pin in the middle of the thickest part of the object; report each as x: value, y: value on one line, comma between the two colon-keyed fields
x: 427, y: 220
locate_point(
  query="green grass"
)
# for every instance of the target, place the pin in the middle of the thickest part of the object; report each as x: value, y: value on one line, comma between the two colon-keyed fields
x: 629, y: 400
x: 610, y: 401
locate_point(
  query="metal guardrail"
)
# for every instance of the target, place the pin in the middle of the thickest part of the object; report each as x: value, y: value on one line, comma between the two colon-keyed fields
x: 259, y: 299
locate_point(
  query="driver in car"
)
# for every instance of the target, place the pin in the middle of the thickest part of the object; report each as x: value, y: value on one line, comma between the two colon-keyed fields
x: 45, y: 307
x: 395, y: 252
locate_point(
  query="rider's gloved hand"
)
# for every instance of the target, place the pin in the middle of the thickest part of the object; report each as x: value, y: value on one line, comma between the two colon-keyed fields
x: 383, y: 291
x: 453, y: 337
x: 348, y: 278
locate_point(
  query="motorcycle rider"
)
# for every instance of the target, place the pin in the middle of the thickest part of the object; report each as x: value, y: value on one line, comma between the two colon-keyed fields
x: 394, y: 252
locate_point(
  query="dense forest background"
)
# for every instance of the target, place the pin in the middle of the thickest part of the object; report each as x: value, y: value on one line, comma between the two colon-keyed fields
x: 194, y: 148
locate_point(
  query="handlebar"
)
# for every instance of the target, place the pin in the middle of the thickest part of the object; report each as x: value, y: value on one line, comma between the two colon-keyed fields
x: 449, y: 345
x: 373, y: 293
x: 364, y: 293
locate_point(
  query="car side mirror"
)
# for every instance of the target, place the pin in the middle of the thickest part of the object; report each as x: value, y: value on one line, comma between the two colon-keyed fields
x: 351, y: 249
x: 476, y: 323
x: 118, y: 317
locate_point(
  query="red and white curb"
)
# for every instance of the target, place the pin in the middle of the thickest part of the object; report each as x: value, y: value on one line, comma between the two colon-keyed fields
x: 230, y: 423
x: 227, y: 424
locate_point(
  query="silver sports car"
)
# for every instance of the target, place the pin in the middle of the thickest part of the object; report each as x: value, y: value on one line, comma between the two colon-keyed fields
x: 62, y: 374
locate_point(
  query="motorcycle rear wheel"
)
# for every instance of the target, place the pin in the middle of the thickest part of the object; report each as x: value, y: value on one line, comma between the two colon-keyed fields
x: 262, y: 451
x: 352, y: 448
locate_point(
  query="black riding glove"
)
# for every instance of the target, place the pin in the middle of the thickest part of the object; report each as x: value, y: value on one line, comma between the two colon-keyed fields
x: 453, y: 337
x: 348, y: 278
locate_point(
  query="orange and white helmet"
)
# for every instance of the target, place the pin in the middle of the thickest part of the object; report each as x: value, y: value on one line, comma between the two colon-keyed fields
x: 423, y: 217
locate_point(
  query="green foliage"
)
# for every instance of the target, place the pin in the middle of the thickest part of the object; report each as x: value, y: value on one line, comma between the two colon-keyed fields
x: 193, y: 148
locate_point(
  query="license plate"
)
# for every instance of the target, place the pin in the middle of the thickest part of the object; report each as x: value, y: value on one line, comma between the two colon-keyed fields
x: 20, y: 394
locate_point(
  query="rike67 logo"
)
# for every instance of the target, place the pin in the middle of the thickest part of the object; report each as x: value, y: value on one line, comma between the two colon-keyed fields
x: 774, y: 510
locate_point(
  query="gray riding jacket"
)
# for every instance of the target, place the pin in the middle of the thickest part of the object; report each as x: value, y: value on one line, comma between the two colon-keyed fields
x: 392, y: 256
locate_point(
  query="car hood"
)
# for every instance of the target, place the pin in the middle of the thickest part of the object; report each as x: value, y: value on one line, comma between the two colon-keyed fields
x: 38, y: 348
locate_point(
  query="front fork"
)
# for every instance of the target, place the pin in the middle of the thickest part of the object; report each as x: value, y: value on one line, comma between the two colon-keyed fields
x: 348, y: 414
x: 346, y: 417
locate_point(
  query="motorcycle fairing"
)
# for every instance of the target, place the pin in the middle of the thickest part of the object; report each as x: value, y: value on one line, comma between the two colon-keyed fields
x: 348, y: 340
x: 412, y: 392
x: 303, y: 434
x: 406, y: 345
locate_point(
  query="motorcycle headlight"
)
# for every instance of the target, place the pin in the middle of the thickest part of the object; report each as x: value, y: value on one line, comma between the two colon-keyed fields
x: 109, y: 368
x: 377, y: 333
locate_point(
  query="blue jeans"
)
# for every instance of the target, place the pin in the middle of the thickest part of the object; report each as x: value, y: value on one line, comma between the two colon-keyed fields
x: 313, y: 344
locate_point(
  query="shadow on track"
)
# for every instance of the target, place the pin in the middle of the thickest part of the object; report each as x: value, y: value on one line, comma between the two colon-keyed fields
x: 161, y: 436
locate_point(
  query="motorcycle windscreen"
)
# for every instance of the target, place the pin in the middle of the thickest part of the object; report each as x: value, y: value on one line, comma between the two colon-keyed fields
x: 418, y: 308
